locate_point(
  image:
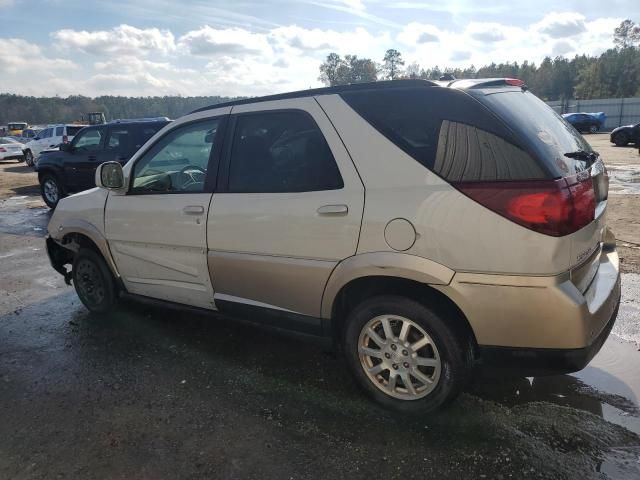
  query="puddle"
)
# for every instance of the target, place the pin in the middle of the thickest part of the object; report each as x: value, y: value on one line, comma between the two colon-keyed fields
x: 624, y: 179
x: 17, y: 220
x: 621, y: 463
x: 608, y: 387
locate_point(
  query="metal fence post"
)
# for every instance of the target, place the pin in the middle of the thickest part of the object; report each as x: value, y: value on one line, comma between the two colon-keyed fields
x: 621, y: 111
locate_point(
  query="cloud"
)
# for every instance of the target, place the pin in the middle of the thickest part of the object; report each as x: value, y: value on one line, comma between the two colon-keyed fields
x: 419, y: 33
x: 426, y: 37
x: 19, y: 56
x: 561, y: 48
x: 459, y: 55
x: 562, y: 25
x: 486, y: 32
x: 122, y: 39
x: 208, y: 41
x: 7, y: 3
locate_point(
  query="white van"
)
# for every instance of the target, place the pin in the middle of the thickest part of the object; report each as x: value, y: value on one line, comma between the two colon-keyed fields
x: 50, y: 137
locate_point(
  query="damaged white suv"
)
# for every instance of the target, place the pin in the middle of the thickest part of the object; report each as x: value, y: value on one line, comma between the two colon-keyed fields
x: 424, y: 227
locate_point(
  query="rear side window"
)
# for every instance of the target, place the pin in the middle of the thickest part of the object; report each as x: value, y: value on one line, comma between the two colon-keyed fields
x: 119, y: 140
x: 448, y: 132
x: 142, y: 133
x: 281, y: 152
x: 466, y: 153
x: 549, y: 135
x: 59, y: 131
x: 72, y: 131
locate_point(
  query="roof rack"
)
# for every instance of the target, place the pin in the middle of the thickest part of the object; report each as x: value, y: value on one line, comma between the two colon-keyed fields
x: 139, y: 120
x: 386, y: 84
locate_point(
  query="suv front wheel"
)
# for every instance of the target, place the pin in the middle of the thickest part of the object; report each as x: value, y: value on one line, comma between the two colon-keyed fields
x: 50, y: 189
x: 93, y: 281
x: 404, y: 355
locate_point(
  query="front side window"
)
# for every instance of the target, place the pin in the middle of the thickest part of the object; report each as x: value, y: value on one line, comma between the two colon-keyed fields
x: 89, y: 140
x: 59, y: 131
x: 178, y: 162
x: 46, y: 133
x: 281, y: 152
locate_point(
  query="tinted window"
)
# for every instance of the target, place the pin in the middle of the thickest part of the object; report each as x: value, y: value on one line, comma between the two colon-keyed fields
x: 89, y: 140
x: 72, y: 131
x: 142, y: 133
x: 46, y: 133
x: 281, y: 152
x: 447, y: 131
x: 178, y: 162
x: 119, y: 140
x: 466, y: 153
x: 59, y: 131
x: 549, y: 135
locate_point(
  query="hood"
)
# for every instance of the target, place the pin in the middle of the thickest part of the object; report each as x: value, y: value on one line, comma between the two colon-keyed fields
x: 621, y: 127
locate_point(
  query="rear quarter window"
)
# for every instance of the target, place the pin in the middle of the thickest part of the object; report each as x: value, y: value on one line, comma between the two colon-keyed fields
x: 447, y: 131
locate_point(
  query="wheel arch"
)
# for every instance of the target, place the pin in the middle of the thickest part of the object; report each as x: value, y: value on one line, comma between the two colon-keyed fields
x: 366, y: 275
x: 78, y: 234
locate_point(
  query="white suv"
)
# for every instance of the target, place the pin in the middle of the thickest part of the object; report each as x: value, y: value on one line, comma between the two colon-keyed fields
x: 49, y: 138
x: 425, y: 228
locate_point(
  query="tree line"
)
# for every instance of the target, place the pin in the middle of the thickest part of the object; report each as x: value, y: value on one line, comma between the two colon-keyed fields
x: 613, y: 74
x: 43, y: 110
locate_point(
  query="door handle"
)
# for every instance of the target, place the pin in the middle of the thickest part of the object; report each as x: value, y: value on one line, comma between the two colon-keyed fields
x: 193, y: 210
x: 337, y: 210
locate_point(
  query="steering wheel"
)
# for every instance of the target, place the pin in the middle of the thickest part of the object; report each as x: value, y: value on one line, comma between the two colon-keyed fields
x: 188, y: 173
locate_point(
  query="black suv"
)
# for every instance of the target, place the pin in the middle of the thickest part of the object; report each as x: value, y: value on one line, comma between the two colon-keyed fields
x: 72, y: 168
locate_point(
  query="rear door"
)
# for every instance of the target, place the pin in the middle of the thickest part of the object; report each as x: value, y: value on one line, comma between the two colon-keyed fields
x: 287, y: 209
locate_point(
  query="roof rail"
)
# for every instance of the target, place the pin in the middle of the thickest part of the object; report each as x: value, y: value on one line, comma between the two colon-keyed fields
x: 386, y: 84
x: 138, y: 120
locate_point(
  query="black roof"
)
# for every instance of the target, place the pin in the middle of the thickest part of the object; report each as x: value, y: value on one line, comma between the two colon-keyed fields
x: 325, y: 91
x: 461, y: 84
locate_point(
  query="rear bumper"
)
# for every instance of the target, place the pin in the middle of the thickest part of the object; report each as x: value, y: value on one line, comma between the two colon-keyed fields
x: 13, y: 157
x: 532, y: 362
x: 539, y: 325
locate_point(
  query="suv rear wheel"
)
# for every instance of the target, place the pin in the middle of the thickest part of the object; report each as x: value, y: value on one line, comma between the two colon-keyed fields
x: 404, y: 355
x: 50, y: 189
x: 621, y: 139
x: 93, y: 281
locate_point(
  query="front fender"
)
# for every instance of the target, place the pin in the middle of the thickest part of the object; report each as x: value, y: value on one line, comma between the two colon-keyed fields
x: 386, y: 264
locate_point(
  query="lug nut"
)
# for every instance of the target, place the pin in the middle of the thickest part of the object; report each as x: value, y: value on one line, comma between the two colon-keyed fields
x: 387, y: 355
x: 405, y: 353
x: 393, y: 347
x: 395, y: 366
x: 406, y: 364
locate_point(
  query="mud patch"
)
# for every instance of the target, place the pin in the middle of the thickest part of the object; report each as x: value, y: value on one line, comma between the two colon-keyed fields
x: 21, y: 217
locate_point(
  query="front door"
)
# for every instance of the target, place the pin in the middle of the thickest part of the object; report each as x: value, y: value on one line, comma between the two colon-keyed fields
x: 87, y: 152
x: 287, y: 209
x: 157, y: 231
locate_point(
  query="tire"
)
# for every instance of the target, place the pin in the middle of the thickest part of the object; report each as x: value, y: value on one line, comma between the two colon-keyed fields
x: 28, y: 158
x: 621, y: 139
x: 50, y: 189
x: 94, y: 282
x: 449, y: 355
x: 593, y: 129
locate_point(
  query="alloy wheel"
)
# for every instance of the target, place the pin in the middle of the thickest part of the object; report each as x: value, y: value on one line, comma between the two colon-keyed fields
x: 51, y: 191
x: 399, y: 357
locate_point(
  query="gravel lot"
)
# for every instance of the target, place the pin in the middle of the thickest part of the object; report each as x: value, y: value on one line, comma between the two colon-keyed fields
x: 154, y: 392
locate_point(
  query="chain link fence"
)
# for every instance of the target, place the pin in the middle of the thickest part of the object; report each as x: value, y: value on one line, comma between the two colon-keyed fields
x: 619, y: 111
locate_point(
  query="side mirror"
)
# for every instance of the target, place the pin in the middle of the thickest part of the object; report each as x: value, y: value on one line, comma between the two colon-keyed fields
x: 109, y: 175
x: 66, y: 147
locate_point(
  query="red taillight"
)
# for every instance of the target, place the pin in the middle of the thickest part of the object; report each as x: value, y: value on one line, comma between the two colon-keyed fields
x: 515, y: 82
x: 552, y: 207
x: 65, y: 139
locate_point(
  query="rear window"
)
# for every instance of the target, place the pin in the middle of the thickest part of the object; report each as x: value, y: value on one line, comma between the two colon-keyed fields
x: 71, y: 131
x: 548, y: 134
x: 447, y: 131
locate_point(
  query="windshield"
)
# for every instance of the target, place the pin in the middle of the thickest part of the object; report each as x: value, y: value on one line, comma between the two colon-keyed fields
x: 547, y: 133
x: 17, y: 126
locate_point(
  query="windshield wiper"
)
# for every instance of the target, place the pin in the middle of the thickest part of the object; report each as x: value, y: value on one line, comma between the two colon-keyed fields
x: 590, y: 157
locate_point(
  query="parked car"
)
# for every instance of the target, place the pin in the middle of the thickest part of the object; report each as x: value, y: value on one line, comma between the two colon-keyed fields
x: 29, y: 133
x: 50, y: 138
x: 482, y: 240
x: 584, y: 122
x: 10, y: 149
x: 71, y: 169
x: 625, y: 135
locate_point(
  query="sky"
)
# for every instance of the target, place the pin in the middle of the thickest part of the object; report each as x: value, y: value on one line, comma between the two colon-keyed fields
x: 251, y: 47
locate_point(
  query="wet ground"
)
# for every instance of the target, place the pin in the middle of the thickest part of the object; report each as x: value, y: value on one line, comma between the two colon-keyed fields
x: 153, y: 392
